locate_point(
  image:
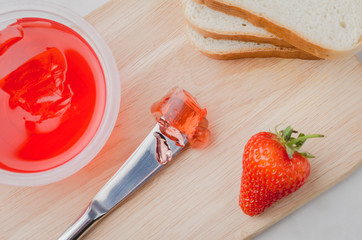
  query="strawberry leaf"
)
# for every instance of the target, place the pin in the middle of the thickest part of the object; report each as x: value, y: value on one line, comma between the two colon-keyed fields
x: 290, y: 151
x: 307, y: 155
x: 293, y: 144
x: 287, y: 133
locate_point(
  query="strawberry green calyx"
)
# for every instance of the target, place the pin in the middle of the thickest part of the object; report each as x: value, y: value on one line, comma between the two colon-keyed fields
x: 293, y: 144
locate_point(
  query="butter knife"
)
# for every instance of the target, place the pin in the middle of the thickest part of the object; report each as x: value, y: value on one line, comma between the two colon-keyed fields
x: 155, y: 151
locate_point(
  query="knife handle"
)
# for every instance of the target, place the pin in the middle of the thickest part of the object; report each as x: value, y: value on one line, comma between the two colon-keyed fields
x: 82, y: 224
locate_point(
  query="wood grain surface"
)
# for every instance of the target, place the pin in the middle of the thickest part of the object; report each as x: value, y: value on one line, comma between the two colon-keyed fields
x: 196, y: 195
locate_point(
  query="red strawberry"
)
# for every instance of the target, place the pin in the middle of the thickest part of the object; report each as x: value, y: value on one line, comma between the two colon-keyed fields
x: 273, y: 168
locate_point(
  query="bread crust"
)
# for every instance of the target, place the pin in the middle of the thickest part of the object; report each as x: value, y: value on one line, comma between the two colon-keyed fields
x: 260, y: 54
x: 287, y: 35
x: 240, y: 37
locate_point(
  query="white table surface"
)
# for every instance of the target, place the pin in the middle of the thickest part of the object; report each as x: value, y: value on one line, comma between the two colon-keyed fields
x: 334, y: 215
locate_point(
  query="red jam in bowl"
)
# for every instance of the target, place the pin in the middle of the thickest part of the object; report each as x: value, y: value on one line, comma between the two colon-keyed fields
x: 52, y: 95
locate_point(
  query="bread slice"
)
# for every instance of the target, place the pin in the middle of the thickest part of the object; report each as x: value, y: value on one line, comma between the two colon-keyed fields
x: 325, y: 28
x: 233, y: 49
x: 218, y: 25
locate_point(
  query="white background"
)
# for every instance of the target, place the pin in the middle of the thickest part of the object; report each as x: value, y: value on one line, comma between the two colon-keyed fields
x: 334, y: 215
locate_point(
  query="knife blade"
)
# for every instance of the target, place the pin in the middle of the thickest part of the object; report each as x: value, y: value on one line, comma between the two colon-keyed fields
x: 154, y: 152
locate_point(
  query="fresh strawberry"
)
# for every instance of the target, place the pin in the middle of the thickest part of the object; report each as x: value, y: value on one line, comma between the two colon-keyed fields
x: 273, y: 168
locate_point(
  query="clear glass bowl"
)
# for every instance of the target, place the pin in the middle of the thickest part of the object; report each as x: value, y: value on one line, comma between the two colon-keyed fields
x: 12, y: 10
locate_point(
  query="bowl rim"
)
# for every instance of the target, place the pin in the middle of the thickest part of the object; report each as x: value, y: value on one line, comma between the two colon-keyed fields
x: 43, y: 9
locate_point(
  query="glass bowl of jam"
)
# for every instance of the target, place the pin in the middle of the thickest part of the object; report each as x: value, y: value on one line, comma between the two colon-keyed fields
x: 59, y: 93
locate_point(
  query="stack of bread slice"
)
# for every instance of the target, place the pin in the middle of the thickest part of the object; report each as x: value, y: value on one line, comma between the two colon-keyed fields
x: 230, y: 29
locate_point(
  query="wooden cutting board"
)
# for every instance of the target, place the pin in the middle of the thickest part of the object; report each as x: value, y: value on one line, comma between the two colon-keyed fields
x: 196, y: 196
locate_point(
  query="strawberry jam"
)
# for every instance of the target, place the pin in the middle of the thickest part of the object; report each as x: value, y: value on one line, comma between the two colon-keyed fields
x: 182, y: 112
x: 52, y: 95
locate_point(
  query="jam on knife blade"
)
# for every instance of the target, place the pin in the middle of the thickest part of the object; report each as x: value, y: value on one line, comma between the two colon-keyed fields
x: 179, y: 116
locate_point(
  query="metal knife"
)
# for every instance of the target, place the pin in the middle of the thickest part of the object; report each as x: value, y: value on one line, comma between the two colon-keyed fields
x: 154, y: 152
